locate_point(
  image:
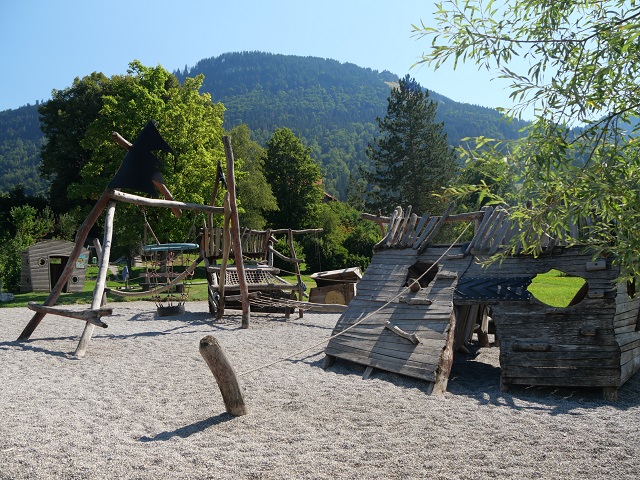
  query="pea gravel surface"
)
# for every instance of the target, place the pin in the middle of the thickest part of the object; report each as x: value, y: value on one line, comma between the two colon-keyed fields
x: 142, y: 404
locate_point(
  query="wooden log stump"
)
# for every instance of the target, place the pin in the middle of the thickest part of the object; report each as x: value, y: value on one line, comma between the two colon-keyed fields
x: 225, y: 375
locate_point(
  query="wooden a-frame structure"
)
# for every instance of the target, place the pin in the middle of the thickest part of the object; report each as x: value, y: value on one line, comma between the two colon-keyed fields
x: 419, y: 302
x: 132, y: 175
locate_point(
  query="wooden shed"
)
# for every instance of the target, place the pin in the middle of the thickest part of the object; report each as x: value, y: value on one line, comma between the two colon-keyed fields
x: 594, y: 342
x: 44, y: 262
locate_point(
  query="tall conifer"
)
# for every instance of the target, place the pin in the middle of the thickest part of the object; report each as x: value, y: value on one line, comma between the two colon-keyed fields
x: 411, y: 158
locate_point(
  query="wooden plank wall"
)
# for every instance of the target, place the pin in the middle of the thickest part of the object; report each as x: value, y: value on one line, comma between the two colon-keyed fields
x: 543, y: 345
x: 626, y: 324
x: 39, y: 274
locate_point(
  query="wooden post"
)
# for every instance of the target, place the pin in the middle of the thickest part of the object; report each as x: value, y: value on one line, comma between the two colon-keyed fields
x: 81, y: 236
x: 101, y: 281
x: 225, y: 375
x: 297, y: 269
x: 226, y: 247
x: 235, y: 232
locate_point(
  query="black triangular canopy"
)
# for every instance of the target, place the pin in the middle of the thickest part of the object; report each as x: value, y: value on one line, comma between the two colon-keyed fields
x: 140, y: 167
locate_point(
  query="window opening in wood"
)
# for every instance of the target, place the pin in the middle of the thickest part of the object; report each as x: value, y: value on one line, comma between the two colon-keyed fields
x: 416, y: 271
x: 558, y: 289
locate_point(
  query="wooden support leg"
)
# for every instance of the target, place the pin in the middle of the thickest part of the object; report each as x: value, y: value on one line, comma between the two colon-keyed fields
x: 98, y: 291
x: 610, y: 394
x: 225, y: 375
x: 81, y: 236
x: 226, y: 248
x: 504, y: 387
x: 296, y: 267
x: 483, y: 333
x: 329, y: 360
x: 235, y: 231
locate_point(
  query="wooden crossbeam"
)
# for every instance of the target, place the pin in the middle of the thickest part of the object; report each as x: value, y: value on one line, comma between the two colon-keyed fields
x: 90, y: 315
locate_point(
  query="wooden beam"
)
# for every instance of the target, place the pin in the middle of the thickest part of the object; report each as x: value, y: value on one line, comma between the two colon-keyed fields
x: 153, y: 202
x: 91, y: 316
x: 458, y: 217
x: 226, y: 248
x: 235, y: 231
x: 101, y: 281
x: 412, y: 337
x: 81, y: 236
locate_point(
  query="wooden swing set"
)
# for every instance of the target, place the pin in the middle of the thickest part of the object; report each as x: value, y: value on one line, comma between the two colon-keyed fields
x: 140, y: 172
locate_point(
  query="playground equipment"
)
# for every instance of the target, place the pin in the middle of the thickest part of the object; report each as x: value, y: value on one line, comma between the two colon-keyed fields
x: 141, y: 171
x: 161, y: 270
x: 267, y: 290
x: 418, y: 302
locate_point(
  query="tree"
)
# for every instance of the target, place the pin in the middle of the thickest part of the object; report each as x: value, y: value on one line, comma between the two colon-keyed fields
x: 411, y: 159
x: 82, y: 159
x: 254, y: 192
x: 347, y: 240
x: 64, y: 120
x: 580, y: 78
x: 295, y: 180
x: 26, y: 226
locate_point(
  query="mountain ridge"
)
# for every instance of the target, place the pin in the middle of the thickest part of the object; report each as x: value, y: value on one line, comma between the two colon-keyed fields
x: 331, y: 105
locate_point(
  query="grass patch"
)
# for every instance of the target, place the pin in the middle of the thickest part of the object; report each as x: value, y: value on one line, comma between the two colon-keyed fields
x: 197, y: 291
x: 555, y: 288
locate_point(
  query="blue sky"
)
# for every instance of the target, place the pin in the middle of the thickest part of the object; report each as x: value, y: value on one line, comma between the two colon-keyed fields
x: 45, y: 44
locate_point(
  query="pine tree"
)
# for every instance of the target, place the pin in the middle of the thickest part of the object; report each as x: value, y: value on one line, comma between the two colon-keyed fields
x: 411, y: 159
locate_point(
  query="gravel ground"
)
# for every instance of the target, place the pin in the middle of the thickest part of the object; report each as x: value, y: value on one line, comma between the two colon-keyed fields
x: 142, y: 404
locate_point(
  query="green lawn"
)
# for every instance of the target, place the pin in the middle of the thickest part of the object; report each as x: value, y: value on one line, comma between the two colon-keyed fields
x: 555, y: 288
x: 197, y: 289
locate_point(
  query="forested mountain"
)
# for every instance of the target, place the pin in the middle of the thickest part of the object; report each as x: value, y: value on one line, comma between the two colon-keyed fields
x: 20, y: 142
x: 332, y: 106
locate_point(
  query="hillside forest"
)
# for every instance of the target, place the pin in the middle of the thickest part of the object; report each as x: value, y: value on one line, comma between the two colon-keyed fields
x: 323, y: 116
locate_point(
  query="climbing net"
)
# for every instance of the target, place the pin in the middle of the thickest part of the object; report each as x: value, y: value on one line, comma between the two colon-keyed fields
x: 166, y: 262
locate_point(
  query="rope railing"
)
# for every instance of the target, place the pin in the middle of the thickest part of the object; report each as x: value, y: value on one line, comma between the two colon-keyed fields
x: 362, y: 320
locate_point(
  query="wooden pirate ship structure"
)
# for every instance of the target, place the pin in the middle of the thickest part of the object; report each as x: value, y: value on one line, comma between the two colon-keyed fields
x: 594, y: 342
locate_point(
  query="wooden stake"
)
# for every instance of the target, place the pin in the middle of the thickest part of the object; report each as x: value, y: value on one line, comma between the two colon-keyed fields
x: 225, y: 375
x: 296, y: 266
x: 101, y: 281
x: 226, y: 248
x: 81, y: 236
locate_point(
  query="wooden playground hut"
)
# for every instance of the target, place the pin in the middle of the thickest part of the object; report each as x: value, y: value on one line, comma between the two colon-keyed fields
x: 414, y: 328
x: 44, y: 262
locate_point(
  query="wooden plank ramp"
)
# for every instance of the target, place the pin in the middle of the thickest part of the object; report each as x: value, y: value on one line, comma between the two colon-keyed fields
x: 389, y: 327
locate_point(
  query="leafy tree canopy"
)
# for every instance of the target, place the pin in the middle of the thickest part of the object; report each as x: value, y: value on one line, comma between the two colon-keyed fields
x: 582, y: 61
x: 81, y: 159
x: 295, y: 180
x: 254, y: 192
